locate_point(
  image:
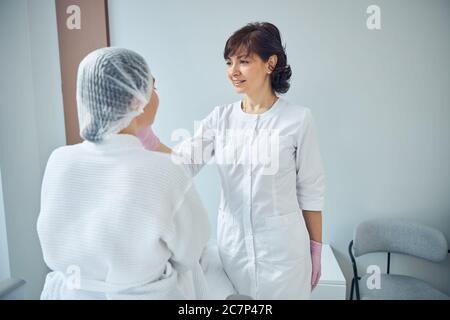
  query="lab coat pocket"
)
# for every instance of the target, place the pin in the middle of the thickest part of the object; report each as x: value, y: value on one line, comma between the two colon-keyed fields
x: 282, y: 238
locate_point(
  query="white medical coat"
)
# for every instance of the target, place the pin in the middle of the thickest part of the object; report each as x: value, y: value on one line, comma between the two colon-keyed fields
x: 120, y: 222
x: 262, y: 236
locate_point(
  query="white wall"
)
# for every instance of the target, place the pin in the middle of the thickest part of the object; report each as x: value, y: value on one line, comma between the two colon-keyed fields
x: 380, y: 98
x: 31, y: 125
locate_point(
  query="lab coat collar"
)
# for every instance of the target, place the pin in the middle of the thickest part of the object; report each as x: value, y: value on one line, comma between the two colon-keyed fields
x: 249, y: 116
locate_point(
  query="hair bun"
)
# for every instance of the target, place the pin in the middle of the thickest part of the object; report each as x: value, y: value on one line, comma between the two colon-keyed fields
x: 280, y: 78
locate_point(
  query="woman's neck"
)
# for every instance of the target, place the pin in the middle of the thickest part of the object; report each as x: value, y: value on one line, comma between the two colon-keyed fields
x: 258, y: 103
x: 131, y: 129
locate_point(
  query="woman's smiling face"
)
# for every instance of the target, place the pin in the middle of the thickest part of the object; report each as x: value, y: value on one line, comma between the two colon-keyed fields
x: 247, y: 72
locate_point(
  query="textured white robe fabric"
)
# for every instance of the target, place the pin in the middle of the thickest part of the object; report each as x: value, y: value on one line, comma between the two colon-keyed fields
x: 120, y: 222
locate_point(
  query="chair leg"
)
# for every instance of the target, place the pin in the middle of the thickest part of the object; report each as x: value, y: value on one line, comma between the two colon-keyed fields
x: 358, y: 297
x: 351, y: 288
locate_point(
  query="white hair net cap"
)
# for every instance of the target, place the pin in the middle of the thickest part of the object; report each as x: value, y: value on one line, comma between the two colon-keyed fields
x: 113, y: 87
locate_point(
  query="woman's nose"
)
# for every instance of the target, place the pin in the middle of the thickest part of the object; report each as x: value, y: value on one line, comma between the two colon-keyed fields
x: 235, y: 71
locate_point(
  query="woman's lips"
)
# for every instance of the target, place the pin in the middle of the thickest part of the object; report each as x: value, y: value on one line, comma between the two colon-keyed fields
x: 238, y: 83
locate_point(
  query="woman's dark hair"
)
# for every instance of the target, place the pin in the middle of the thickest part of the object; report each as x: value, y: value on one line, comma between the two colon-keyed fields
x: 263, y: 39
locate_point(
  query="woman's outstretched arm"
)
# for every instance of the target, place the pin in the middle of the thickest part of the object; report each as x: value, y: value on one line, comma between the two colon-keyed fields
x: 163, y: 148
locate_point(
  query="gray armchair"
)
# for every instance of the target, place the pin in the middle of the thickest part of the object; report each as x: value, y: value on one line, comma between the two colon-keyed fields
x: 396, y: 236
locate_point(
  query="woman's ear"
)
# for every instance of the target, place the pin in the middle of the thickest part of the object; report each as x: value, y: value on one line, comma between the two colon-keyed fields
x: 272, y: 63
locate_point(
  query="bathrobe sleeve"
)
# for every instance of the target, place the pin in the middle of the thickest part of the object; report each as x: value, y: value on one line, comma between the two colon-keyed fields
x: 189, y: 231
x: 309, y: 168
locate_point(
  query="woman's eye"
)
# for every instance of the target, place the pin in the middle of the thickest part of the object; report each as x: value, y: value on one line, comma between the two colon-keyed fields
x: 227, y: 63
x: 244, y: 61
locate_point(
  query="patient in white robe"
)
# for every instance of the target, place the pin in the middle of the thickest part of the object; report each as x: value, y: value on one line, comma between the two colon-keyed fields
x: 118, y: 221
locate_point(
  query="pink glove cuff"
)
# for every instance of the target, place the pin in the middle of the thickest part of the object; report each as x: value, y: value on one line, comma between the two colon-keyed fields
x: 316, y: 248
x: 149, y: 140
x: 316, y: 254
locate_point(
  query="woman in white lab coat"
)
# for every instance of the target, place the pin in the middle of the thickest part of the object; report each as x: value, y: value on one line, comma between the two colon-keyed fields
x: 269, y: 222
x: 118, y: 221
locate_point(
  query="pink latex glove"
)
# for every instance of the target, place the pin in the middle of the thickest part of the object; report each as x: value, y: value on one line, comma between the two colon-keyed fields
x: 316, y: 253
x: 149, y: 139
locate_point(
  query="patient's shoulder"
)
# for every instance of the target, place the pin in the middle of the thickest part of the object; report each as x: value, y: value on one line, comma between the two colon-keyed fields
x: 165, y: 166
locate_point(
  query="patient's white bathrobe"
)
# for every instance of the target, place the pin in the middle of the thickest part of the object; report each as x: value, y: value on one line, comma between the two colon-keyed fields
x: 120, y: 222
